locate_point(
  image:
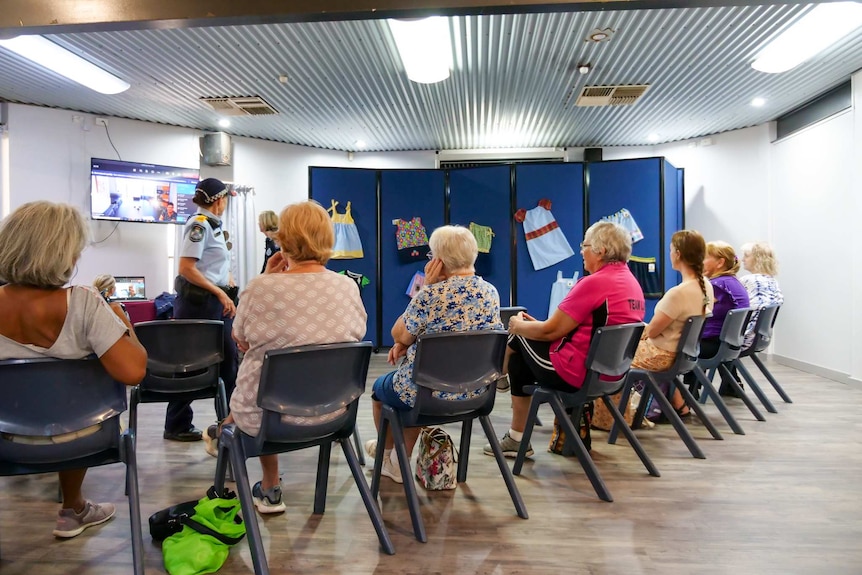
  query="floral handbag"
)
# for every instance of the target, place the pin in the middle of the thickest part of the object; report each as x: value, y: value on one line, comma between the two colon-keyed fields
x: 436, y: 464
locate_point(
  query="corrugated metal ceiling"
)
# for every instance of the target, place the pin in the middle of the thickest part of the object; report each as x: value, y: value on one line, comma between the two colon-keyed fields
x: 514, y: 82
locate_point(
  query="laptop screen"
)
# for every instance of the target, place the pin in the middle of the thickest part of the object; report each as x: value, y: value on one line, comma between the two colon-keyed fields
x: 130, y: 288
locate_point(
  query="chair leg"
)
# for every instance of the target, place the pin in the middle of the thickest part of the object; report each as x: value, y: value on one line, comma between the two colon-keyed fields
x: 701, y: 414
x: 672, y: 416
x: 584, y: 458
x: 508, y: 478
x: 322, y: 478
x: 624, y: 399
x: 221, y: 401
x: 233, y: 445
x: 535, y: 402
x: 709, y: 391
x: 464, y: 455
x: 754, y: 386
x: 407, y: 475
x: 134, y: 502
x: 378, y: 457
x: 134, y: 400
x: 768, y: 375
x: 367, y: 499
x: 357, y: 442
x: 710, y: 375
x: 222, y: 463
x: 630, y: 436
x: 725, y: 373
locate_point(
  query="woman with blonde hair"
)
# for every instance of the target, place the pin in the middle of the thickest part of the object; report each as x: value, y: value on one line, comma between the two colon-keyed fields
x: 763, y: 290
x: 106, y: 285
x: 297, y: 301
x: 267, y: 222
x: 41, y: 318
x: 694, y: 296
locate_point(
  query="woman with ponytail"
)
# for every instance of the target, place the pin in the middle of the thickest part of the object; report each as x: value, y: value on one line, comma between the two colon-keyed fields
x: 694, y: 296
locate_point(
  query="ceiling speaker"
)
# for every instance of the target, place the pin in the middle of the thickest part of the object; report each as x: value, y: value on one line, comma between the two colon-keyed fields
x: 216, y: 149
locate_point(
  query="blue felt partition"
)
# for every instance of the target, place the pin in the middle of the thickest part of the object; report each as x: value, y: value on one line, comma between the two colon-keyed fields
x: 634, y: 185
x: 405, y: 194
x: 482, y: 195
x: 673, y: 221
x: 359, y: 187
x: 563, y: 184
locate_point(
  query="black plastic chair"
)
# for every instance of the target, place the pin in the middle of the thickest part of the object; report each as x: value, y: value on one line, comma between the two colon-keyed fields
x: 686, y: 360
x: 762, y: 338
x: 732, y: 337
x: 81, y: 395
x: 611, y: 353
x: 182, y: 365
x: 507, y: 312
x: 454, y: 362
x: 303, y: 381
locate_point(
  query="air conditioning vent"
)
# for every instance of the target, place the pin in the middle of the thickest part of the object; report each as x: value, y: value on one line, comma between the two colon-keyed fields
x: 241, y: 106
x: 611, y: 95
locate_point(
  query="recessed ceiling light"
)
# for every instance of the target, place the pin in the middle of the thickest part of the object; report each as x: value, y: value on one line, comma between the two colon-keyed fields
x: 224, y: 123
x: 54, y: 57
x: 425, y: 48
x: 654, y: 137
x: 824, y: 25
x: 758, y: 102
x: 600, y: 35
x: 360, y: 144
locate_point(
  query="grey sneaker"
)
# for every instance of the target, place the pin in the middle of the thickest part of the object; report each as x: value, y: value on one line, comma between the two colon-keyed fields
x: 71, y: 524
x: 503, y: 384
x: 268, y: 501
x: 510, y: 447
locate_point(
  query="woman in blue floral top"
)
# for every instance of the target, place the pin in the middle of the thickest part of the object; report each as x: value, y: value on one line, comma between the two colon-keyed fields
x: 454, y: 299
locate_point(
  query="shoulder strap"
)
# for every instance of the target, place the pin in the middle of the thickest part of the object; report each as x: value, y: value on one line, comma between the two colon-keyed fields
x: 204, y: 530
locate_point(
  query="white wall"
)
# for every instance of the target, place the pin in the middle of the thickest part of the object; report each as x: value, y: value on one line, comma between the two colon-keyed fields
x: 49, y: 159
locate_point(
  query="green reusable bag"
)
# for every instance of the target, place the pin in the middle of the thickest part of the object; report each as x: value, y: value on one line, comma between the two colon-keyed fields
x: 204, y: 543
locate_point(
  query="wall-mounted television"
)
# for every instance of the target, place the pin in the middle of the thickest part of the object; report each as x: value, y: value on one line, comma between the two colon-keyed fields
x: 135, y: 192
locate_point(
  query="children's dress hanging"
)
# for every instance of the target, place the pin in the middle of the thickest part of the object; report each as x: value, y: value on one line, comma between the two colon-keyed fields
x: 348, y: 246
x: 546, y: 243
x: 483, y: 235
x: 627, y: 221
x: 411, y: 239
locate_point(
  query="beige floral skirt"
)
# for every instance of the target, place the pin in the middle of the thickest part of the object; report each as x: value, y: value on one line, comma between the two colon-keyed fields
x: 652, y: 358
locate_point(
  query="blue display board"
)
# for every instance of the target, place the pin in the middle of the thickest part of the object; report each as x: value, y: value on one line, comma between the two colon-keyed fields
x: 563, y: 185
x: 405, y: 194
x: 483, y: 196
x: 673, y: 208
x: 360, y: 188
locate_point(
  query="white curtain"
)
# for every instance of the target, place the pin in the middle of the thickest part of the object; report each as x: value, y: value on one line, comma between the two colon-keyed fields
x: 240, y: 220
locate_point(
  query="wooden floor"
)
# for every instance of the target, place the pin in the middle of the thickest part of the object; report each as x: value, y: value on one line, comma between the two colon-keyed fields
x: 784, y: 498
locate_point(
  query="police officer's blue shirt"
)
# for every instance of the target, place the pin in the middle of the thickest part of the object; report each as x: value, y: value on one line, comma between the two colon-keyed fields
x: 204, y: 241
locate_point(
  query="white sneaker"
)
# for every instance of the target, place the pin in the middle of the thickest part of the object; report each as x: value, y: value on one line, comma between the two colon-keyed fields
x: 371, y: 448
x: 391, y: 470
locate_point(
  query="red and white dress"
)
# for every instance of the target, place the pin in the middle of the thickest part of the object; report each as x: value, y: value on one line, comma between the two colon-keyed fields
x: 546, y: 243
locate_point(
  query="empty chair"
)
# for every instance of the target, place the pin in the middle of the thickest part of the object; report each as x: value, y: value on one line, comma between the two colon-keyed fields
x: 686, y: 360
x: 182, y: 365
x: 762, y: 338
x: 610, y: 356
x: 732, y: 336
x: 306, y: 382
x: 85, y: 401
x: 454, y: 362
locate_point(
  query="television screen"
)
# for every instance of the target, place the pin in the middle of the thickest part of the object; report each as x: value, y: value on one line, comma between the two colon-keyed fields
x: 129, y: 288
x: 134, y: 192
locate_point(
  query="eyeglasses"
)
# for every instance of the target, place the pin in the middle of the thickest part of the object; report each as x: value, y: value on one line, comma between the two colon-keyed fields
x: 585, y: 245
x: 429, y: 255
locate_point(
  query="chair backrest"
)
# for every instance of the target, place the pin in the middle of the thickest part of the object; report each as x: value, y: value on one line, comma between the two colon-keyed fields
x: 689, y: 345
x: 507, y: 312
x: 311, y: 381
x: 763, y: 327
x: 182, y: 354
x: 460, y: 363
x: 732, y: 335
x: 611, y: 353
x: 44, y: 398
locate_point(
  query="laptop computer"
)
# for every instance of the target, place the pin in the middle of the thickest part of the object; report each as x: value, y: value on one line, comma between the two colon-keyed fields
x: 130, y: 288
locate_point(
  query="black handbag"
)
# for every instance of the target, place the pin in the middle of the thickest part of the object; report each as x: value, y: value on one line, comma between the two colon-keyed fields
x: 171, y: 520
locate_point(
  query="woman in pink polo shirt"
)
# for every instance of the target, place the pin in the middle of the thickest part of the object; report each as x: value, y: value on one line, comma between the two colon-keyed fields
x: 553, y: 353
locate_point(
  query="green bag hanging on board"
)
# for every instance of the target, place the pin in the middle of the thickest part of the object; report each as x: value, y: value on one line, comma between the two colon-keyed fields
x: 204, y: 542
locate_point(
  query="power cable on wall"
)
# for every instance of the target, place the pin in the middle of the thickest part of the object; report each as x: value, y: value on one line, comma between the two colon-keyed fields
x: 119, y: 157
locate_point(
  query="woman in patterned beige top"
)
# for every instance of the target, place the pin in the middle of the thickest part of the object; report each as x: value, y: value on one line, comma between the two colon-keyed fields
x: 297, y: 301
x: 454, y: 299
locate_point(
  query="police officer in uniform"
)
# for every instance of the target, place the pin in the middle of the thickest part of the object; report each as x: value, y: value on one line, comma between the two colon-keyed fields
x: 205, y: 290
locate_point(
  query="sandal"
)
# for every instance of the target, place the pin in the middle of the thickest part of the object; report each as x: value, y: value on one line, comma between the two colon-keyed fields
x: 683, y: 412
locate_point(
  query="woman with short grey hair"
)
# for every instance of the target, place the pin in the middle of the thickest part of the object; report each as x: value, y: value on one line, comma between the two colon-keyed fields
x: 609, y: 239
x: 41, y: 318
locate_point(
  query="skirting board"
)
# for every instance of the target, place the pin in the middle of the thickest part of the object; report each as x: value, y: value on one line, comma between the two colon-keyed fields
x: 817, y: 370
